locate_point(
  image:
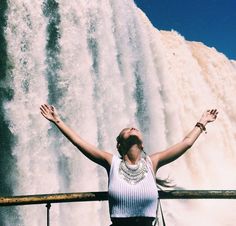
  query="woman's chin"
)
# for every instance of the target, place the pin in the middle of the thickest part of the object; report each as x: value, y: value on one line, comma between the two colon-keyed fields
x: 133, y: 139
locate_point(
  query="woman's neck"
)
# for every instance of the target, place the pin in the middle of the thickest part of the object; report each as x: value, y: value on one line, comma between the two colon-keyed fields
x: 133, y: 155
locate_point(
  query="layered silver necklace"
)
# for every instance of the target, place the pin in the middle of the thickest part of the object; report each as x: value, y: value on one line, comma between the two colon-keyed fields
x: 133, y: 173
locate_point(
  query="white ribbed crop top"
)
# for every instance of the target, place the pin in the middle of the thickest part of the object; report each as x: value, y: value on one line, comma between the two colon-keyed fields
x: 131, y: 200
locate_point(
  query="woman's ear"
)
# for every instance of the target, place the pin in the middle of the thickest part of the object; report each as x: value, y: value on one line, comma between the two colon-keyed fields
x: 141, y: 146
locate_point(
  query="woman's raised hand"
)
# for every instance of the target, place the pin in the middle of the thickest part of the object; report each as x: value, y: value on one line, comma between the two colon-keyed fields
x: 49, y: 112
x: 98, y: 156
x: 209, y: 116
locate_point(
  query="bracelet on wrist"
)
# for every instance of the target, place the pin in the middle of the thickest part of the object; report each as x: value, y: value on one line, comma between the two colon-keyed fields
x: 201, y: 126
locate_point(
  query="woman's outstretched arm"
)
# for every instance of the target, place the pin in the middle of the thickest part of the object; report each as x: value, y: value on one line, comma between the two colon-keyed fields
x: 93, y: 153
x: 164, y: 157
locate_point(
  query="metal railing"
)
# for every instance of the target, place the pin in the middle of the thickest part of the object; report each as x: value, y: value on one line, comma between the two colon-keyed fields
x: 48, y: 199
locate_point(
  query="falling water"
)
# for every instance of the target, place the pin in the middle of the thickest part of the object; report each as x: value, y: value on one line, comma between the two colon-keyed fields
x: 105, y: 67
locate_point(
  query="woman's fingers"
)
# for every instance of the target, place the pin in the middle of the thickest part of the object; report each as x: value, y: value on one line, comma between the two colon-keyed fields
x: 45, y: 110
x: 214, y: 113
x: 47, y: 107
x: 211, y: 114
x: 43, y: 113
x: 42, y: 108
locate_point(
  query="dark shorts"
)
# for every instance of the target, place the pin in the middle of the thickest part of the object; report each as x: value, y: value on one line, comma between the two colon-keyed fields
x: 133, y: 221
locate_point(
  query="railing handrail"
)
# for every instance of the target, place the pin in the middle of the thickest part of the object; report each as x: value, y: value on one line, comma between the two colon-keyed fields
x: 103, y: 195
x: 53, y: 198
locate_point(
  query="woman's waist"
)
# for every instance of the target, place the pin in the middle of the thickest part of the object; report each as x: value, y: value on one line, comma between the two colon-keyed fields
x: 139, y: 220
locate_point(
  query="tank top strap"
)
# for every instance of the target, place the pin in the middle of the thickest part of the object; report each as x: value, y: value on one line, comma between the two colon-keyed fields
x: 149, y: 163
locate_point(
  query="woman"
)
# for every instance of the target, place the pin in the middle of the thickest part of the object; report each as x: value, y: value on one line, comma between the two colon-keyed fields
x: 132, y: 188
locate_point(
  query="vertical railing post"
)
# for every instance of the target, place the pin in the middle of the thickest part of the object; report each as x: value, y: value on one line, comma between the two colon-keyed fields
x: 48, y: 213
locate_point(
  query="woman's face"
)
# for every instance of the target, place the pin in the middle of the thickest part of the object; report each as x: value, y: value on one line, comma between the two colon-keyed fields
x: 127, y: 132
x: 127, y: 138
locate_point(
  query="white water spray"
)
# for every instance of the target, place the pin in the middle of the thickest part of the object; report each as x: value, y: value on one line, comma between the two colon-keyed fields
x: 36, y: 165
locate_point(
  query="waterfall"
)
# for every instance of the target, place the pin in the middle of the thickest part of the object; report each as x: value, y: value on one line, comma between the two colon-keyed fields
x: 105, y: 67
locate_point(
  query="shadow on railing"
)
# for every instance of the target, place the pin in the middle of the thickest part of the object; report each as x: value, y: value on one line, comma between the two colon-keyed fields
x: 102, y: 196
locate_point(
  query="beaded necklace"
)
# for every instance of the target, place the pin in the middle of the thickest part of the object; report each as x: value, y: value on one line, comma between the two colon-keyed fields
x: 133, y: 173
